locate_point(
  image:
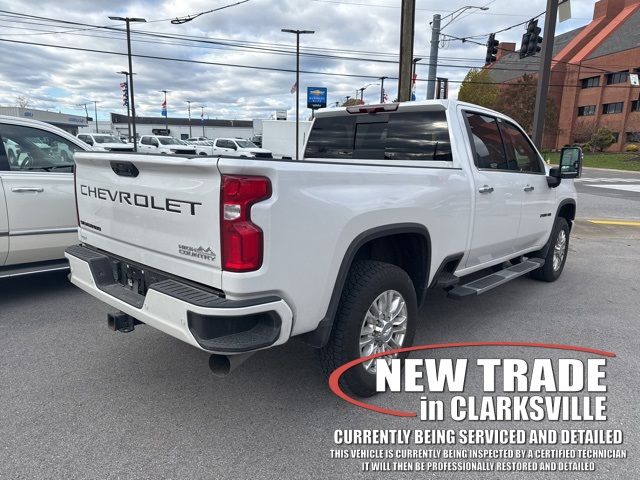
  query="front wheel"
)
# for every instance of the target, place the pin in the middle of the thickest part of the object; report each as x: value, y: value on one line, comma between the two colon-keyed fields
x: 377, y: 312
x: 557, y: 253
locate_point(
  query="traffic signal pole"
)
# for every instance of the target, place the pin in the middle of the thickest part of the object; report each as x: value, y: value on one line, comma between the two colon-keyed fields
x: 544, y: 73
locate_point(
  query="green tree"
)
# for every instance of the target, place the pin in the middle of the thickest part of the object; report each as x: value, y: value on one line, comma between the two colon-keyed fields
x: 518, y: 100
x: 602, y: 139
x: 478, y: 87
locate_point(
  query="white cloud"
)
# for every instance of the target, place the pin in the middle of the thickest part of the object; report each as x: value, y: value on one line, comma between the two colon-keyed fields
x: 60, y: 79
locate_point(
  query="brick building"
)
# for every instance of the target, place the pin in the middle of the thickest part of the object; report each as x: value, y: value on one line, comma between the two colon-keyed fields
x: 589, y: 76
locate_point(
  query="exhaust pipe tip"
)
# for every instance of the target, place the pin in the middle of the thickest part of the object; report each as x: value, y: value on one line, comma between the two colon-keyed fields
x: 223, y: 365
x: 220, y: 365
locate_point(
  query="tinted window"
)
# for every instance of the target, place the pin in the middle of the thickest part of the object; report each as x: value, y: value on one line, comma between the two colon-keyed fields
x: 370, y: 140
x: 146, y: 141
x: 419, y: 136
x: 590, y: 82
x: 520, y: 154
x: 331, y: 137
x: 397, y: 136
x: 33, y: 149
x: 609, y: 108
x: 487, y: 143
x: 618, y: 77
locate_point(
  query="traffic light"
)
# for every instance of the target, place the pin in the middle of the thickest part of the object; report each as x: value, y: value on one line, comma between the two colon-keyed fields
x: 492, y: 49
x: 125, y: 94
x: 531, y: 40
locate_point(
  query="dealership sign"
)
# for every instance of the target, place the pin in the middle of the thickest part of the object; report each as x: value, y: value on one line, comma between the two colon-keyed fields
x: 316, y: 97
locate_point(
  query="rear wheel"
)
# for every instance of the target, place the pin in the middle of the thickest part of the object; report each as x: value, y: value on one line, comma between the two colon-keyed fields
x: 557, y: 253
x: 377, y: 312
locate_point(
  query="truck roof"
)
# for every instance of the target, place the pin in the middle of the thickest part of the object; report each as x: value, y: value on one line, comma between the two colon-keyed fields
x: 421, y: 105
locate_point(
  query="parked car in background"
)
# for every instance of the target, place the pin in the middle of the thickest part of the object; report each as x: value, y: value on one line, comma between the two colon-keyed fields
x: 235, y: 147
x: 37, y: 202
x: 105, y: 142
x: 197, y: 139
x: 164, y: 144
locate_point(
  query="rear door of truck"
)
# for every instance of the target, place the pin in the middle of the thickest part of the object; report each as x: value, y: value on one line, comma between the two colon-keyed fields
x: 160, y: 212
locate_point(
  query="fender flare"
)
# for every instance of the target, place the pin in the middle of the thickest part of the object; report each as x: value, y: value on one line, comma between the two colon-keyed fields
x: 320, y: 336
x: 542, y: 253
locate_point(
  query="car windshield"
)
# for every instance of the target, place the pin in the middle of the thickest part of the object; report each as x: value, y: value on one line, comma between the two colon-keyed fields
x: 106, y: 139
x: 169, y: 141
x: 245, y: 144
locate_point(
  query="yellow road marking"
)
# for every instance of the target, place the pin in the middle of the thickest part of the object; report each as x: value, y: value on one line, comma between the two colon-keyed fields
x: 626, y: 223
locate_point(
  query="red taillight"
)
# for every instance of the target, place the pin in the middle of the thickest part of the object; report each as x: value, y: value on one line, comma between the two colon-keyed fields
x: 242, y: 242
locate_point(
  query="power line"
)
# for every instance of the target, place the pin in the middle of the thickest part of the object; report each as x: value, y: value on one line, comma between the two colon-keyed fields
x: 255, y: 67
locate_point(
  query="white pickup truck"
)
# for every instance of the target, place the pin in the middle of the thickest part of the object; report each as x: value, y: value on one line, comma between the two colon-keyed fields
x: 340, y: 249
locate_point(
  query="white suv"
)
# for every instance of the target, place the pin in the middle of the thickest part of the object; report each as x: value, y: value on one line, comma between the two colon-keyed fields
x: 164, y: 144
x: 37, y: 206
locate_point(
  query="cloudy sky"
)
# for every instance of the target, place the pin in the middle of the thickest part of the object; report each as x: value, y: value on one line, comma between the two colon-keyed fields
x: 366, y: 32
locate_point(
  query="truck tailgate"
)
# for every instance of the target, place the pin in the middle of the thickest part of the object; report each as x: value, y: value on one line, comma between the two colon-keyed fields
x: 159, y: 211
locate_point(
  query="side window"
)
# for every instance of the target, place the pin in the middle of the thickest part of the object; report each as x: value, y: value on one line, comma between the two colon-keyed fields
x: 31, y: 149
x: 331, y: 137
x: 418, y: 136
x: 486, y: 142
x: 145, y: 141
x: 521, y: 156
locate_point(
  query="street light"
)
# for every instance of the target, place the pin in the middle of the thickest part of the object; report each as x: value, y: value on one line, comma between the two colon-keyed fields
x: 435, y: 41
x: 362, y: 89
x: 127, y: 21
x: 126, y: 77
x: 166, y: 111
x: 189, y: 107
x: 298, y: 33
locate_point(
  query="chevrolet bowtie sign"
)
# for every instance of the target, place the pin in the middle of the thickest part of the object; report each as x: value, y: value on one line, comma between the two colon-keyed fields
x: 316, y: 97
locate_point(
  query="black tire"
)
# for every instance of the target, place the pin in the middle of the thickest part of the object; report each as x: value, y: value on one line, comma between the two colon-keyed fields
x: 547, y: 273
x: 366, y: 281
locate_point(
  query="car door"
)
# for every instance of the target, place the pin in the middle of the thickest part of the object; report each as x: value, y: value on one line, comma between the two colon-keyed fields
x: 538, y: 199
x: 498, y: 198
x: 39, y: 195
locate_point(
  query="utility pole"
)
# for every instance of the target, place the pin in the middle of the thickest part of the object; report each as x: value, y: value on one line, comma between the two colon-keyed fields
x: 413, y: 77
x: 381, y: 89
x: 433, y: 57
x: 127, y: 21
x: 407, y: 19
x: 189, y: 107
x: 298, y: 33
x: 166, y: 111
x: 202, y: 119
x: 544, y: 72
x: 436, y: 29
x: 95, y: 110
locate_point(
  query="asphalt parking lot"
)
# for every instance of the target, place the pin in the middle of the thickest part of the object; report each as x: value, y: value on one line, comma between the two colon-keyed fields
x: 79, y: 401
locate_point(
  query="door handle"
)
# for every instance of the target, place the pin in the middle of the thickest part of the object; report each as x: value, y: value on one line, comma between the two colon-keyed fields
x: 27, y: 189
x: 485, y: 189
x: 529, y: 188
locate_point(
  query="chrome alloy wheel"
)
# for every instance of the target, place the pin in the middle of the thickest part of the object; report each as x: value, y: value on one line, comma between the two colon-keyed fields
x: 559, y: 250
x: 384, y: 326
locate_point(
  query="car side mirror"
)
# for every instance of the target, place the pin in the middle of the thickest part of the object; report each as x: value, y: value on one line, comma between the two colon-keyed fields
x: 570, y: 162
x: 570, y: 166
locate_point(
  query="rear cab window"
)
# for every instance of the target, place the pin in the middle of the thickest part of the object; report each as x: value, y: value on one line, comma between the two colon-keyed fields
x: 398, y: 136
